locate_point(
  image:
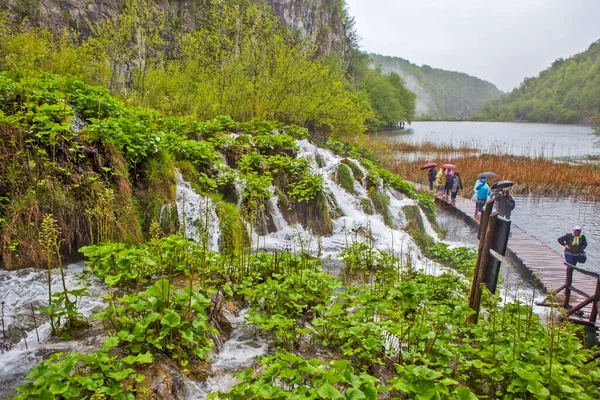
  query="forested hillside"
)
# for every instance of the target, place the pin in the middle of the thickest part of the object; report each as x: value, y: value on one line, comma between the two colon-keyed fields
x: 440, y: 93
x: 567, y: 92
x: 219, y: 58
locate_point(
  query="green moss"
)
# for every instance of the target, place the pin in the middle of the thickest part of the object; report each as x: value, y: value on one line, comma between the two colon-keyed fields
x: 356, y: 171
x: 367, y: 206
x: 426, y: 201
x: 234, y: 236
x: 313, y: 214
x: 416, y: 228
x: 320, y: 161
x: 382, y: 206
x: 159, y: 192
x: 344, y: 178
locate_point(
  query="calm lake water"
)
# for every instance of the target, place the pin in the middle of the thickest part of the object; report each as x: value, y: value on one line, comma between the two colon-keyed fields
x: 548, y: 140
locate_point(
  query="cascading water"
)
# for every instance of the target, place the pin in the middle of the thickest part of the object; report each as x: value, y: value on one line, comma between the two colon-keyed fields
x: 20, y: 290
x: 236, y: 354
x: 197, y: 214
x: 353, y: 222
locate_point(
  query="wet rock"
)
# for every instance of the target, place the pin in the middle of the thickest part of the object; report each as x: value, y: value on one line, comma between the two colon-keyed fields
x: 163, y: 379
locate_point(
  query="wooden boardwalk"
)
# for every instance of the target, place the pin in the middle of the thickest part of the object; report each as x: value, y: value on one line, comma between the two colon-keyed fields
x: 537, y: 257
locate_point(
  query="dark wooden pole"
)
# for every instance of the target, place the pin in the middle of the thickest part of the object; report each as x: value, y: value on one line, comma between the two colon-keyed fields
x: 568, y: 285
x: 481, y: 236
x: 483, y: 259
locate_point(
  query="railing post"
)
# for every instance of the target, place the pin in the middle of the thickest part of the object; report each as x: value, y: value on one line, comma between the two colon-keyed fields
x: 568, y: 284
x: 594, y: 313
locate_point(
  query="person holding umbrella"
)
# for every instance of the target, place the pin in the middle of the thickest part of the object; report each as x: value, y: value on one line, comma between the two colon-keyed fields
x: 574, y: 244
x: 483, y: 192
x: 503, y: 201
x: 431, y: 173
x: 449, y: 175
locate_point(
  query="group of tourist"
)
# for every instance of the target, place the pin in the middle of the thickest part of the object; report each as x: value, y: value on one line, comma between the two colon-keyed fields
x: 448, y: 182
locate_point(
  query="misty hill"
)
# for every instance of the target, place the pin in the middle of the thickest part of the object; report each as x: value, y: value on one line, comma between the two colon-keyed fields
x: 567, y: 92
x: 439, y: 92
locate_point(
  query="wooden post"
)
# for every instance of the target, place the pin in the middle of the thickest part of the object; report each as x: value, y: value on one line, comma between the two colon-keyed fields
x: 483, y: 259
x: 481, y: 236
x: 568, y: 284
x: 594, y: 313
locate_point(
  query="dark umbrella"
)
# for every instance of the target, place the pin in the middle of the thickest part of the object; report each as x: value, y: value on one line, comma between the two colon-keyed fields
x: 428, y: 165
x: 502, y: 185
x: 487, y: 175
x: 449, y: 166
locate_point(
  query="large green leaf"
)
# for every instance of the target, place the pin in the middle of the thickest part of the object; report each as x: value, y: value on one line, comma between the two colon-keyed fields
x: 171, y: 319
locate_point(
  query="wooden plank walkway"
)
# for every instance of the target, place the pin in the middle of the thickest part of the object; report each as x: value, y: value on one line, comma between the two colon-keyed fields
x: 537, y: 257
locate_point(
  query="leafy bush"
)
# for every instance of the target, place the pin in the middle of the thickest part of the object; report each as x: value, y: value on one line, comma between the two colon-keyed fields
x: 171, y: 320
x: 282, y: 299
x: 99, y: 374
x: 461, y: 258
x: 307, y: 188
x: 288, y: 376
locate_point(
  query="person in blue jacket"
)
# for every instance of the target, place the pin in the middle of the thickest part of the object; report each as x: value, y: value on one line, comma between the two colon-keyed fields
x: 483, y: 192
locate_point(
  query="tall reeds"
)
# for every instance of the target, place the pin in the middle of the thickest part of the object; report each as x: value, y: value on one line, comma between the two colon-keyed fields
x: 538, y: 174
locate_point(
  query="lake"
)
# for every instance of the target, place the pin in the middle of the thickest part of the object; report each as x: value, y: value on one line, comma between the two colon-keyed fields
x: 517, y: 138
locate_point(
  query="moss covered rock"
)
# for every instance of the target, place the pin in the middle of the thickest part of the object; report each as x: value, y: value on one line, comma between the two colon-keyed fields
x: 382, y: 205
x: 344, y: 178
x: 313, y: 214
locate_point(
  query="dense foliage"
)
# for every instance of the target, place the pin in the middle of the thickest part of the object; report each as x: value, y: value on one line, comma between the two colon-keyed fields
x: 440, y: 93
x: 236, y: 59
x: 567, y: 92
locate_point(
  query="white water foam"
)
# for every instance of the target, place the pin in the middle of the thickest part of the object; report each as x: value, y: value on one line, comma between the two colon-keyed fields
x: 196, y: 209
x: 238, y: 353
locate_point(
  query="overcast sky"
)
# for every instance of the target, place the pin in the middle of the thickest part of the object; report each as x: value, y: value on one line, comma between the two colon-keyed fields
x: 501, y: 41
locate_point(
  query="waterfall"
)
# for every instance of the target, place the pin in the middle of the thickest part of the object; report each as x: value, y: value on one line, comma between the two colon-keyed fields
x: 197, y: 214
x: 353, y: 221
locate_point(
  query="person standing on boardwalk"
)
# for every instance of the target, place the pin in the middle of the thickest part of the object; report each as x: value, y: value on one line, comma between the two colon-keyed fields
x: 574, y: 244
x: 456, y: 186
x: 504, y: 203
x: 440, y: 181
x: 483, y: 192
x: 431, y: 175
x: 449, y: 180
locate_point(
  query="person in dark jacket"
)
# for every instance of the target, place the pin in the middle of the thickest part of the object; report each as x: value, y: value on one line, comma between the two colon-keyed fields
x: 456, y: 186
x: 504, y: 203
x: 574, y: 244
x: 432, y: 176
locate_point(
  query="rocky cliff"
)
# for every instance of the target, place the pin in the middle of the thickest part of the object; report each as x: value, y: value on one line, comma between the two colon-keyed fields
x: 324, y: 20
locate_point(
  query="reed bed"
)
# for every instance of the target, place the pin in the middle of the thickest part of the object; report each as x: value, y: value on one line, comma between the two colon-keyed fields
x: 536, y: 176
x: 532, y: 175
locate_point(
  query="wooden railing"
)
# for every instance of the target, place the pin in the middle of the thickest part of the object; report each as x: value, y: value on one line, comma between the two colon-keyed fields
x: 588, y: 297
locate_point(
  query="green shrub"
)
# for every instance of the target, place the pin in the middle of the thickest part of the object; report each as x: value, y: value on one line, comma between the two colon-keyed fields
x: 163, y: 317
x: 98, y: 374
